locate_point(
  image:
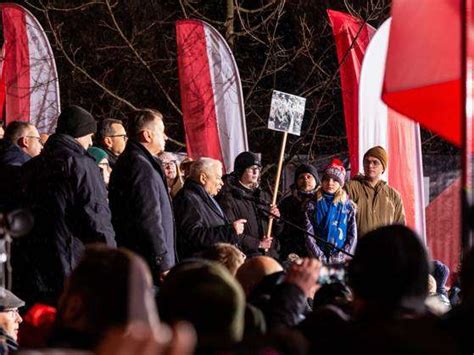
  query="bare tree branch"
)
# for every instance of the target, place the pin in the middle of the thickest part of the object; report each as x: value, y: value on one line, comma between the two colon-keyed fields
x: 140, y: 58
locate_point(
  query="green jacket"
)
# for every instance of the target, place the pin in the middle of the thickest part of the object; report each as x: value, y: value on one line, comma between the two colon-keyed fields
x: 377, y: 206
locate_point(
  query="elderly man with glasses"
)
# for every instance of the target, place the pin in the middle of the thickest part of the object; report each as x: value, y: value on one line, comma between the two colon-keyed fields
x: 378, y: 204
x: 10, y: 319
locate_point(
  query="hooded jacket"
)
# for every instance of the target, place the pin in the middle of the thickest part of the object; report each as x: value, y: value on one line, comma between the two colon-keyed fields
x: 377, y: 206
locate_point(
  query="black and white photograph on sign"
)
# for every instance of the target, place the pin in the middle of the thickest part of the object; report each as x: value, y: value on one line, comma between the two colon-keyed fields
x: 286, y: 112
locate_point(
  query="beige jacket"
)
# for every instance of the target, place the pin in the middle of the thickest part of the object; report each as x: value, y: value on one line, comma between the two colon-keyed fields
x: 377, y: 206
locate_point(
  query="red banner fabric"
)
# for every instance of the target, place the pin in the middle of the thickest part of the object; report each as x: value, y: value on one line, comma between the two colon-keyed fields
x: 197, y: 96
x: 16, y: 66
x: 423, y: 68
x: 352, y: 37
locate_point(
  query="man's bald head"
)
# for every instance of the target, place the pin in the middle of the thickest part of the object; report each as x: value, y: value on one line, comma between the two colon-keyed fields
x: 252, y: 272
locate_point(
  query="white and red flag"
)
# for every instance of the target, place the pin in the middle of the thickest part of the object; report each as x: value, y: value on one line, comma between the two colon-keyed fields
x: 29, y: 78
x: 424, y: 81
x: 368, y: 120
x: 211, y: 94
x: 380, y: 125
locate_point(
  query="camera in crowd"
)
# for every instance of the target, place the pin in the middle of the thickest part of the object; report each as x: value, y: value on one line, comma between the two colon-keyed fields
x: 329, y: 273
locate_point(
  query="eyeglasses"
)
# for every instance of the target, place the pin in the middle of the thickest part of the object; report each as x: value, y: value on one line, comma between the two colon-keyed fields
x: 12, y: 312
x: 374, y: 162
x: 254, y: 168
x: 124, y: 136
x: 38, y: 138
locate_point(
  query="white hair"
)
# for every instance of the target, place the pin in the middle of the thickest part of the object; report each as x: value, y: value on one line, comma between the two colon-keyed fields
x: 203, y: 165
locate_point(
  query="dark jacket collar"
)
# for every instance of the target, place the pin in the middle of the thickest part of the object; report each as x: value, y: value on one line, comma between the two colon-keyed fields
x: 193, y: 186
x: 134, y: 146
x: 111, y: 157
x: 63, y: 142
x: 11, y: 154
x: 231, y: 181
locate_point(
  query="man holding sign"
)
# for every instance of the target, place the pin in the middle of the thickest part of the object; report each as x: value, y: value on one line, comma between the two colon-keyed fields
x: 241, y: 197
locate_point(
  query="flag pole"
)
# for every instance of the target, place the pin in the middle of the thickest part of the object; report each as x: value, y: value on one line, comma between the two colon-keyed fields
x: 467, y: 193
x: 277, y: 182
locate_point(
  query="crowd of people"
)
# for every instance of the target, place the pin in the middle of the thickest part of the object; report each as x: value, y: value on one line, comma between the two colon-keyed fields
x: 133, y: 251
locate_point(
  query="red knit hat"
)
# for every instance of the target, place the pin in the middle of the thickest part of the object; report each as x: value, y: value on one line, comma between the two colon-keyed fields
x: 336, y: 171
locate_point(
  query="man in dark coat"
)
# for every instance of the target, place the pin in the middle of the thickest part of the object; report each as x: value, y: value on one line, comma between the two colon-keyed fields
x: 20, y: 144
x: 292, y: 208
x: 200, y: 220
x: 67, y: 195
x: 141, y: 207
x: 241, y: 197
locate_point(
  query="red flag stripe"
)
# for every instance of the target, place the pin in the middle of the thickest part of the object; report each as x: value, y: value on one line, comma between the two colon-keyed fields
x: 197, y: 96
x: 352, y: 37
x: 16, y: 65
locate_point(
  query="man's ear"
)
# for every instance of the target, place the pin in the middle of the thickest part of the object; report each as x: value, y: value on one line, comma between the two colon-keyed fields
x: 22, y: 142
x: 202, y: 178
x: 107, y: 141
x: 145, y: 136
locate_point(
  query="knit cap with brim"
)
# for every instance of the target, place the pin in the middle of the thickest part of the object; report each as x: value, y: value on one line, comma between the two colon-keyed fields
x: 97, y: 153
x: 76, y: 122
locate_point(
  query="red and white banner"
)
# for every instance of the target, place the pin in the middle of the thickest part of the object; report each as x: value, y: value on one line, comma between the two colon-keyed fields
x: 379, y: 125
x: 28, y: 70
x: 211, y: 94
x: 352, y: 36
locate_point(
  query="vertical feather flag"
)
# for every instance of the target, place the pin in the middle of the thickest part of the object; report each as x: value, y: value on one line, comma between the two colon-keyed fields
x: 28, y: 70
x: 211, y: 94
x: 352, y: 36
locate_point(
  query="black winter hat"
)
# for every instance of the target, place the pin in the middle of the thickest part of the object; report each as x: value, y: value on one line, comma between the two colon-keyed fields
x: 76, y: 122
x: 307, y: 168
x: 245, y: 160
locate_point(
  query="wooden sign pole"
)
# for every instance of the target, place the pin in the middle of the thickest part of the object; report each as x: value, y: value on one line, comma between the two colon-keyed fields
x: 277, y: 182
